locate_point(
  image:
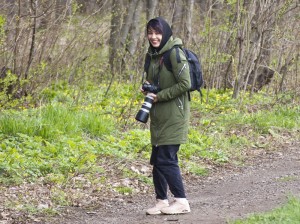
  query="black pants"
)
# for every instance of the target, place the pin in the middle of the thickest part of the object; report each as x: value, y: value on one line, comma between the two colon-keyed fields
x: 166, y: 171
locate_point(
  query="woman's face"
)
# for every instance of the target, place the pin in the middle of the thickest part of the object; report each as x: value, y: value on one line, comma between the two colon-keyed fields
x: 154, y: 37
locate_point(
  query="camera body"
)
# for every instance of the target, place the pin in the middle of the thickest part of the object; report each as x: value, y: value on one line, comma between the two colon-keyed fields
x: 143, y: 113
x: 147, y: 87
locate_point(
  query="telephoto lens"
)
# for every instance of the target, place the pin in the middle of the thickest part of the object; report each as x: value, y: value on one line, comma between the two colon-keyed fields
x: 143, y: 113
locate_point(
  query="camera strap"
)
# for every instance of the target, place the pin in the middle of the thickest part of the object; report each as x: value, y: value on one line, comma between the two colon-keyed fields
x: 146, y: 67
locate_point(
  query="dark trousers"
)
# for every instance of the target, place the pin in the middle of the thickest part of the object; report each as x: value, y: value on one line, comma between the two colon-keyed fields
x: 166, y: 171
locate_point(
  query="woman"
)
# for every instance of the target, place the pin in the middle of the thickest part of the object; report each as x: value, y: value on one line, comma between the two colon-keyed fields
x: 169, y: 117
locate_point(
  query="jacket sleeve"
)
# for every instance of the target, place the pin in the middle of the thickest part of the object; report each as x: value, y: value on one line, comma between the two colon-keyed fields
x: 181, y: 72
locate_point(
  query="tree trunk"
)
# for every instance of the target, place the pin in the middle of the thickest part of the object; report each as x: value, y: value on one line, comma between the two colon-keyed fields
x: 284, y: 69
x: 16, y: 45
x: 151, y: 7
x: 177, y: 20
x: 135, y: 28
x: 33, y: 7
x: 240, y: 40
x: 128, y: 21
x: 114, y: 41
x: 188, y: 24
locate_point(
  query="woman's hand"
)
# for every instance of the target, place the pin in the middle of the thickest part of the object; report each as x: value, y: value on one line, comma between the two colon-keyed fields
x: 154, y: 97
x: 149, y: 94
x: 143, y: 91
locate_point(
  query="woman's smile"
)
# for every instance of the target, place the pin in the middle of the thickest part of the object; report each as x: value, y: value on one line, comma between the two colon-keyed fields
x: 154, y: 37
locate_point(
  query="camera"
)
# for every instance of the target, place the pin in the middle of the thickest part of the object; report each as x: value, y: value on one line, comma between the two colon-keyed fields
x: 147, y: 87
x: 143, y: 113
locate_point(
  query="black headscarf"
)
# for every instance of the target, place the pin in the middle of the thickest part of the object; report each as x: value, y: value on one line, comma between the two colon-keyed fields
x: 159, y: 24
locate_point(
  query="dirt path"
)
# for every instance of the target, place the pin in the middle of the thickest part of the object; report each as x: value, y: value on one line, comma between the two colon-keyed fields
x: 262, y: 185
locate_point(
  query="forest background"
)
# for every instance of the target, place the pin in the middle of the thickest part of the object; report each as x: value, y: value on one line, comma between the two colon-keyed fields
x: 69, y: 90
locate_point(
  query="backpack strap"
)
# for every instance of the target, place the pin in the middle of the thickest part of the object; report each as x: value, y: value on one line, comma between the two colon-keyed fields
x: 147, y: 62
x: 166, y: 57
x: 167, y: 61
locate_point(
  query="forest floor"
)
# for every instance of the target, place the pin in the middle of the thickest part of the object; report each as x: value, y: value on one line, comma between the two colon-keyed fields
x: 263, y: 183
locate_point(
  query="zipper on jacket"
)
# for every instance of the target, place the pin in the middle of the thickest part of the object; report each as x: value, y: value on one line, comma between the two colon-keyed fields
x: 180, y: 103
x: 181, y: 70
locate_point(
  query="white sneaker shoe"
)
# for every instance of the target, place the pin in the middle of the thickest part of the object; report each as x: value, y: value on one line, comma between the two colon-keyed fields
x: 156, y: 210
x: 179, y: 206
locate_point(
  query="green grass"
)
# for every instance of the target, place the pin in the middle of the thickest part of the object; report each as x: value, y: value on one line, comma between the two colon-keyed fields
x: 52, y: 121
x: 63, y: 137
x: 78, y: 133
x: 287, y: 214
x: 233, y: 126
x: 26, y: 157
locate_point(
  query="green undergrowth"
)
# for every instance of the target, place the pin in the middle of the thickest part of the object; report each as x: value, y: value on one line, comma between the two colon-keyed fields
x: 287, y: 214
x: 74, y: 132
x: 53, y: 121
x: 29, y: 157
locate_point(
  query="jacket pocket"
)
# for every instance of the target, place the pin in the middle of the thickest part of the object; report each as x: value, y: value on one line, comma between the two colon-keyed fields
x: 180, y: 105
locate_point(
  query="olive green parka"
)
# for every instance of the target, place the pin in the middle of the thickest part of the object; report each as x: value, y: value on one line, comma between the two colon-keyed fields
x: 169, y: 117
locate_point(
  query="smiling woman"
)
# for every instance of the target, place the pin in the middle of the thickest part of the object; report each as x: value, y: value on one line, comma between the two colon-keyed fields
x: 169, y: 116
x: 154, y: 37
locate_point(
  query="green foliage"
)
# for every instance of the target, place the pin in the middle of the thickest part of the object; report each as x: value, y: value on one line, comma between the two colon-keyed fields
x: 24, y: 157
x: 30, y: 157
x: 11, y: 91
x: 197, y: 169
x: 77, y: 131
x: 75, y: 7
x: 52, y: 121
x: 202, y: 146
x: 59, y: 197
x: 230, y: 126
x: 267, y: 120
x: 59, y: 139
x: 145, y: 179
x: 124, y: 190
x: 118, y: 104
x: 287, y: 214
x: 260, y: 112
x: 30, y: 208
x: 262, y: 121
x: 7, y: 83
